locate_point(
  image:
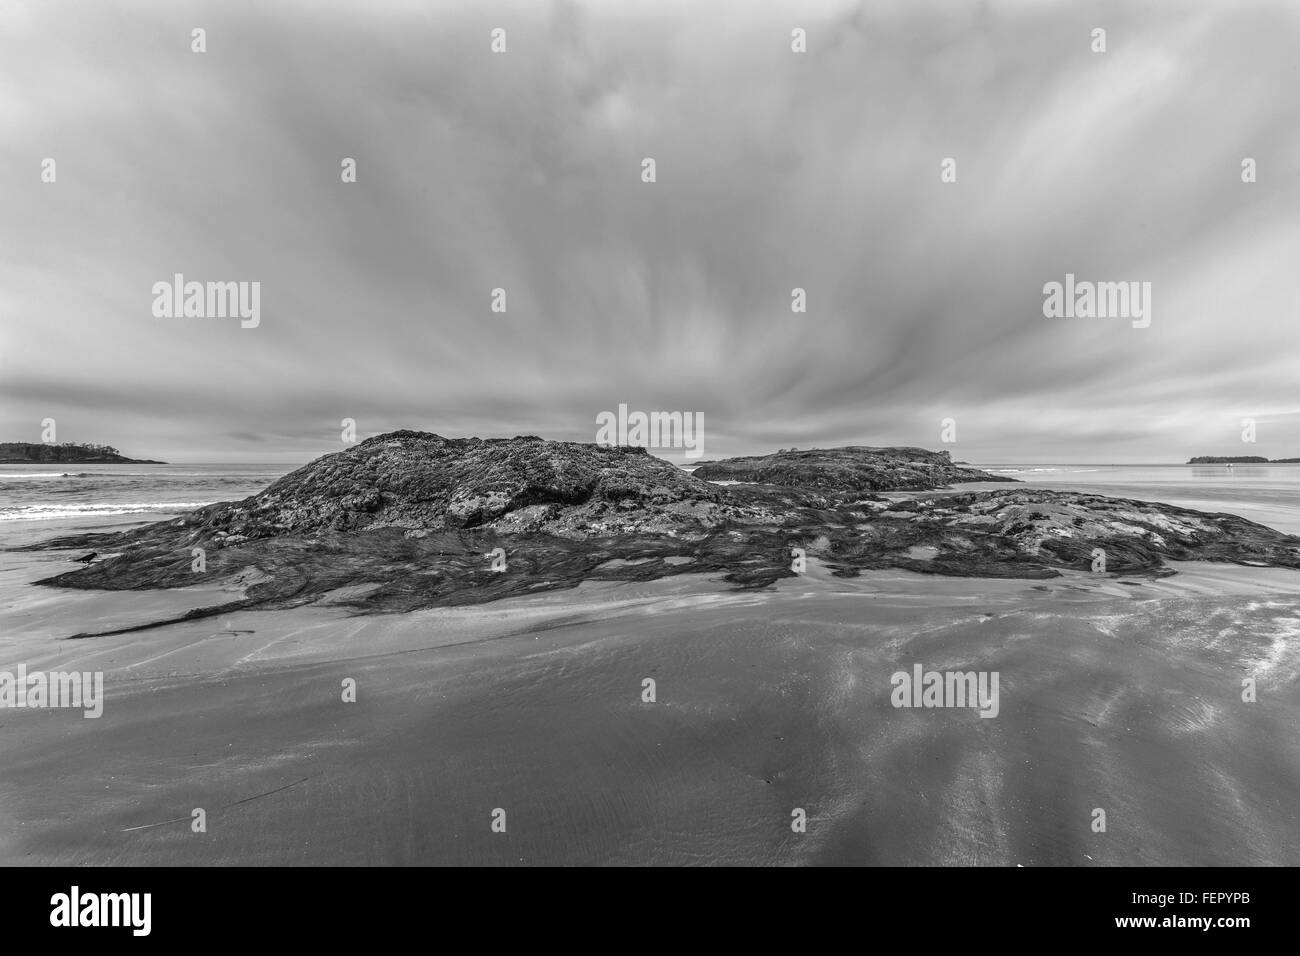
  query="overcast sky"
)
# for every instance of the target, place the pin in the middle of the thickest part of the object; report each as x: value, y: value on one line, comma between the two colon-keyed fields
x: 775, y: 170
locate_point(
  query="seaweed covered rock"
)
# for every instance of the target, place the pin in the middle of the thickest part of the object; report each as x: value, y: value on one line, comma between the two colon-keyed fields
x: 851, y: 470
x: 410, y: 520
x: 422, y: 482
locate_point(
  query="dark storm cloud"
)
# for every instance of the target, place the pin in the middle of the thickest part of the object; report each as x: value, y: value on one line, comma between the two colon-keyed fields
x: 775, y: 170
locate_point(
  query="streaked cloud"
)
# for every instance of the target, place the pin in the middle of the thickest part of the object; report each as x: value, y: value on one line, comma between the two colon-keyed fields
x: 775, y: 170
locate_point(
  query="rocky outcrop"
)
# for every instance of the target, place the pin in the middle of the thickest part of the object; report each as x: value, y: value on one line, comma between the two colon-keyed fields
x: 410, y: 519
x: 421, y: 483
x: 1054, y: 529
x: 851, y: 470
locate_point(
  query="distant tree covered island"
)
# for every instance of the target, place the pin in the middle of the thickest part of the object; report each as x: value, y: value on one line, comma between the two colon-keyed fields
x: 1240, y: 460
x: 86, y: 453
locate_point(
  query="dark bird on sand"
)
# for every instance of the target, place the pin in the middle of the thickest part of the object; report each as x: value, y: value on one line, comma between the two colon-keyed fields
x: 87, y: 558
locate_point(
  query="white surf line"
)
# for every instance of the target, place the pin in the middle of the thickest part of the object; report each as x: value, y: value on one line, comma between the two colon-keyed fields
x: 228, y: 806
x: 426, y: 648
x: 174, y: 650
x: 150, y: 826
x: 53, y: 660
x: 294, y: 633
x: 104, y: 650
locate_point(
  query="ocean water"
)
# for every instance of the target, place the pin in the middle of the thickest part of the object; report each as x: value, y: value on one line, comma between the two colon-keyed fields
x: 38, y: 500
x: 1268, y: 494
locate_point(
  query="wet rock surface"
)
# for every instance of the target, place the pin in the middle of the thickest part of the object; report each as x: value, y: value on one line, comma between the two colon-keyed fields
x: 410, y: 520
x: 853, y: 469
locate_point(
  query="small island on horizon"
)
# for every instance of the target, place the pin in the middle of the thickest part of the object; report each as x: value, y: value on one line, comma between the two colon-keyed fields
x: 1241, y: 460
x: 79, y: 453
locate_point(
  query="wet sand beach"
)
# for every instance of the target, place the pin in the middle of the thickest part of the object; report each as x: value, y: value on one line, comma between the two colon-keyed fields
x: 1123, y: 695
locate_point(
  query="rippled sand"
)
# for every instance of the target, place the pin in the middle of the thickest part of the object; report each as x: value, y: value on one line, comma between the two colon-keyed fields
x: 1120, y: 696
